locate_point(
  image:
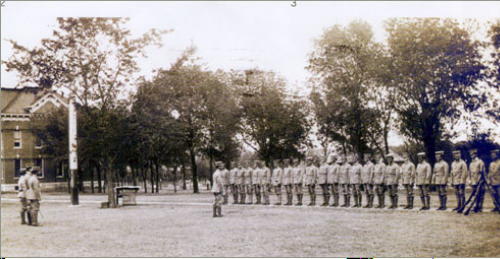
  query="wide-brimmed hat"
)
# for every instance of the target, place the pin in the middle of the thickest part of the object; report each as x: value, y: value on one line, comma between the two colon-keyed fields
x: 421, y: 154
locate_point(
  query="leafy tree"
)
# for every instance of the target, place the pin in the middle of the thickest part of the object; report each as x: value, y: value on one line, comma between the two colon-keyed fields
x: 435, y: 66
x: 347, y: 63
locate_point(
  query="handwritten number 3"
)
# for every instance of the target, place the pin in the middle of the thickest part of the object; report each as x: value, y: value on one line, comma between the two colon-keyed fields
x: 294, y: 3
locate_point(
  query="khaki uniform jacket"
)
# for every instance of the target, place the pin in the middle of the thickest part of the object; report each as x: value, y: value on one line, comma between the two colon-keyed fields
x: 33, y: 191
x: 265, y: 176
x: 423, y: 173
x: 218, y: 184
x: 287, y: 176
x: 408, y: 173
x: 441, y: 171
x: 355, y: 173
x: 475, y: 169
x: 225, y: 176
x: 277, y: 178
x: 255, y: 175
x: 248, y: 175
x: 344, y: 174
x: 232, y: 175
x: 367, y: 173
x: 298, y: 175
x: 378, y: 173
x: 311, y: 175
x: 22, y: 184
x: 323, y: 174
x: 458, y: 172
x: 494, y: 173
x: 332, y: 174
x: 240, y: 175
x: 392, y: 174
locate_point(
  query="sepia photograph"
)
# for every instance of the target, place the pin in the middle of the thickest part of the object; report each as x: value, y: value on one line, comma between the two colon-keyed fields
x: 338, y: 129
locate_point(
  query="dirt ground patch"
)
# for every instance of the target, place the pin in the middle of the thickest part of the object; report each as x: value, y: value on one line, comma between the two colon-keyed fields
x: 178, y: 231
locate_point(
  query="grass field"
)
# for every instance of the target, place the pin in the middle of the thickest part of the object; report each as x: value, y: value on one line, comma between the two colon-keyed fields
x: 169, y: 228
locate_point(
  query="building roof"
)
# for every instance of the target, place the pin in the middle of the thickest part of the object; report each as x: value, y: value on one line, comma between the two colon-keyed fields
x: 27, y: 100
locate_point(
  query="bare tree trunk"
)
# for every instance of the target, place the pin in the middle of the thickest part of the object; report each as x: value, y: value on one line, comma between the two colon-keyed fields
x: 92, y: 169
x: 175, y: 178
x: 134, y: 176
x: 157, y: 177
x: 211, y: 162
x: 144, y: 179
x: 194, y: 170
x: 183, y: 168
x: 151, y: 177
x: 99, y: 179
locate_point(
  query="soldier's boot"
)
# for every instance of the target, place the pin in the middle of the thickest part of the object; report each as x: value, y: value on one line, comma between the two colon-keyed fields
x: 288, y: 199
x: 34, y: 218
x: 367, y: 201
x: 445, y: 199
x: 396, y: 201
x: 427, y: 202
x: 440, y: 203
x: 268, y: 202
x: 348, y: 201
x: 392, y: 202
x: 311, y: 196
x: 379, y: 198
x: 226, y: 198
x: 258, y: 199
x: 355, y: 200
x: 314, y: 199
x: 28, y: 215
x: 335, y: 200
x: 250, y: 199
x: 345, y: 201
x: 407, y: 202
x: 458, y: 203
x: 372, y: 199
x: 215, y: 211
x: 422, y: 200
x: 219, y: 211
x: 300, y: 199
x: 327, y: 202
x: 360, y: 202
x: 243, y: 198
x: 410, y: 205
x: 279, y: 199
x: 23, y: 218
x: 462, y: 198
x: 235, y: 198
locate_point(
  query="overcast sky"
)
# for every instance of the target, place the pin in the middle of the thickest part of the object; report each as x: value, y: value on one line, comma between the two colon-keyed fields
x: 228, y: 35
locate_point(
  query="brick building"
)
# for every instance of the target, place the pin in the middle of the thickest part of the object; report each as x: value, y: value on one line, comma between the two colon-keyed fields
x: 19, y: 145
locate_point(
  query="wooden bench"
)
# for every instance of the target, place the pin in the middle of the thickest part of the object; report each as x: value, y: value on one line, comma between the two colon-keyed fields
x: 127, y: 193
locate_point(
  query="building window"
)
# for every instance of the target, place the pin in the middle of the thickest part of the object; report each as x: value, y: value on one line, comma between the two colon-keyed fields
x: 62, y: 169
x: 38, y: 142
x: 17, y: 167
x: 17, y: 139
x: 39, y: 164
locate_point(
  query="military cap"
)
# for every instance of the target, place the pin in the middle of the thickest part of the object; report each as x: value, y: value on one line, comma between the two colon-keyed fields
x: 439, y: 152
x: 421, y: 154
x: 473, y: 151
x: 219, y: 163
x: 456, y: 152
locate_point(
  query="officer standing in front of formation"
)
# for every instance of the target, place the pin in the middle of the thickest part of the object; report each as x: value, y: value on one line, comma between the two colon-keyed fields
x: 494, y: 178
x: 277, y: 178
x: 240, y: 176
x: 378, y: 181
x: 391, y: 177
x: 367, y: 180
x: 408, y: 180
x: 265, y: 181
x: 218, y: 189
x: 232, y: 182
x: 323, y: 181
x: 458, y: 178
x: 344, y: 182
x: 227, y: 186
x: 422, y: 180
x: 249, y: 182
x: 355, y: 180
x: 476, y: 168
x: 333, y: 179
x: 287, y: 181
x: 22, y: 185
x: 33, y: 195
x: 440, y: 178
x: 256, y: 182
x: 298, y: 180
x: 310, y: 180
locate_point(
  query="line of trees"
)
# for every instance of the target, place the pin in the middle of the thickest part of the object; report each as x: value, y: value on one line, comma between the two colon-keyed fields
x: 427, y: 76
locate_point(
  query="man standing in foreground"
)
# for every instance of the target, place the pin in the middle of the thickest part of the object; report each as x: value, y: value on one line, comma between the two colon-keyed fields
x: 391, y: 178
x: 476, y: 168
x: 218, y: 189
x: 378, y: 181
x: 22, y: 185
x: 408, y: 179
x: 323, y: 181
x: 367, y: 180
x: 277, y: 177
x: 422, y: 180
x: 33, y: 195
x: 458, y: 178
x: 494, y: 178
x: 287, y: 181
x: 333, y: 179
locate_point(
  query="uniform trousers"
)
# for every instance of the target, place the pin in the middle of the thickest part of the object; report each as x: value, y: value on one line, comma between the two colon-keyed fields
x: 34, y: 205
x: 277, y: 189
x: 424, y: 190
x: 356, y: 190
x: 249, y: 189
x: 459, y: 189
x: 335, y: 189
x: 441, y: 188
x: 218, y: 199
x: 496, y: 194
x: 288, y: 188
x: 380, y: 189
x: 298, y: 188
x: 368, y: 189
x: 24, y: 204
x: 346, y: 189
x: 311, y: 188
x: 324, y: 188
x: 393, y: 189
x: 409, y: 189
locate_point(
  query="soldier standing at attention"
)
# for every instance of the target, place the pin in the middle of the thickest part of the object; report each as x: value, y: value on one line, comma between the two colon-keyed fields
x: 288, y: 181
x: 240, y: 176
x: 33, y: 195
x: 458, y: 177
x: 298, y: 180
x: 344, y: 182
x: 332, y: 179
x: 265, y: 181
x: 310, y: 180
x: 277, y: 178
x: 367, y: 180
x: 22, y: 185
x: 323, y: 183
x: 218, y: 189
x: 391, y: 177
x: 440, y: 178
x: 256, y: 181
x: 378, y: 181
x: 355, y: 180
x: 233, y: 173
x: 422, y: 180
x: 408, y: 180
x: 476, y: 167
x: 248, y: 183
x: 494, y: 178
x: 227, y: 186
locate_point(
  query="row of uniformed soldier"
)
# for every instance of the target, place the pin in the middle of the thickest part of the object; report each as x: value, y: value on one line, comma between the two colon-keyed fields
x: 337, y: 177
